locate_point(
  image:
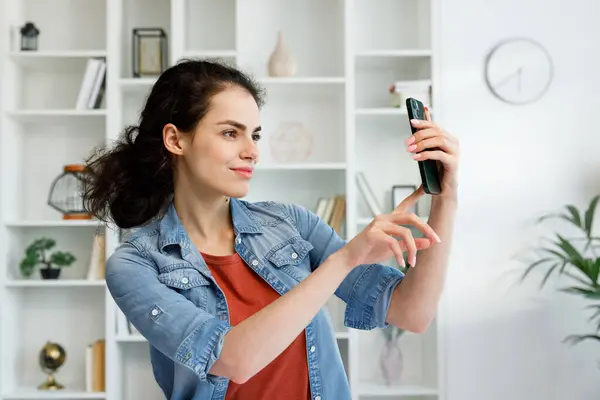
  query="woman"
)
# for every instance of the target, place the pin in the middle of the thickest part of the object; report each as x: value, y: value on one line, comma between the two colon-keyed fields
x: 229, y: 293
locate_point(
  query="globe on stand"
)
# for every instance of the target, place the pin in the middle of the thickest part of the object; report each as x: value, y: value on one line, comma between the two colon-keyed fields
x: 52, y: 357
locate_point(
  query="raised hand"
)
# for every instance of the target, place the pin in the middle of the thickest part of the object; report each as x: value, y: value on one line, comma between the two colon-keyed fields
x: 385, y: 236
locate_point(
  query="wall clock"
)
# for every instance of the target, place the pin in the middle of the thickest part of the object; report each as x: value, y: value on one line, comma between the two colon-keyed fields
x: 518, y: 71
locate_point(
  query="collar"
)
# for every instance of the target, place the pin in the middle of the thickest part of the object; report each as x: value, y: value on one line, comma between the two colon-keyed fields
x: 172, y: 231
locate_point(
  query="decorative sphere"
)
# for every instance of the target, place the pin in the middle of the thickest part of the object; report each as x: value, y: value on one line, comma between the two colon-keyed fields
x: 52, y: 357
x: 291, y: 142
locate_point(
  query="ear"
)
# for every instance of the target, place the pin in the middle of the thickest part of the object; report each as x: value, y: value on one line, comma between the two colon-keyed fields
x: 172, y: 139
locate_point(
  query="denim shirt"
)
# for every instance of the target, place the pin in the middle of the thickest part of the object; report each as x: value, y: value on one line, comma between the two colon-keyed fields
x: 160, y: 281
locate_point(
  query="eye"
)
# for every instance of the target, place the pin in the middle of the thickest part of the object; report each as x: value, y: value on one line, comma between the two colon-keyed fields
x: 229, y: 133
x: 256, y: 136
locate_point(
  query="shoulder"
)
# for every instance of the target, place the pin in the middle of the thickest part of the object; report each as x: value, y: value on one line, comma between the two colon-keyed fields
x: 269, y: 212
x: 134, y: 248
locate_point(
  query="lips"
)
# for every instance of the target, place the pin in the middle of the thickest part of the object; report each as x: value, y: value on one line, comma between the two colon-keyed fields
x: 245, y: 172
x: 244, y: 169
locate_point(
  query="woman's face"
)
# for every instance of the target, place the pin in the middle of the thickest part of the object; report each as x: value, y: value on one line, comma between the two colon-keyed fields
x: 220, y: 155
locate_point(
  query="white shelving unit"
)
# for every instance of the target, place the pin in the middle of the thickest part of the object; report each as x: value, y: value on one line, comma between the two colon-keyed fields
x: 348, y: 53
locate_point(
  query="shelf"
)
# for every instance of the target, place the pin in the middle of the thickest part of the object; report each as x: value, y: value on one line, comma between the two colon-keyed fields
x: 373, y: 389
x: 36, y: 115
x: 130, y: 339
x: 53, y: 283
x: 26, y: 394
x: 53, y: 60
x: 136, y: 83
x: 381, y: 111
x: 331, y: 117
x: 301, y: 167
x: 303, y: 80
x: 54, y: 224
x: 395, y: 53
x: 210, y: 54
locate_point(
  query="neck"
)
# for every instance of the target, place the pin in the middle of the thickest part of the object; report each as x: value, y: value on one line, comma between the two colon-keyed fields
x: 206, y: 217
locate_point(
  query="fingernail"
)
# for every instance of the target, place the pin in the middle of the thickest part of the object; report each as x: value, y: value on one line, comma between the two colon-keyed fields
x: 415, y: 121
x: 437, y: 238
x: 416, y: 156
x: 413, y: 261
x: 410, y: 140
x: 411, y: 147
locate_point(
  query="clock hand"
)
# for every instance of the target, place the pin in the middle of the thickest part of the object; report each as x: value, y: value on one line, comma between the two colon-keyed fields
x: 517, y: 74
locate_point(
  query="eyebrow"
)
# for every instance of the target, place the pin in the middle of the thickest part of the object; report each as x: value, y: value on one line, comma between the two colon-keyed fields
x: 238, y: 125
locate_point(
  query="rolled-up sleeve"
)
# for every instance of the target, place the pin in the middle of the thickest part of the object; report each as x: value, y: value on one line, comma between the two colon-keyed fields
x: 169, y: 321
x: 367, y: 290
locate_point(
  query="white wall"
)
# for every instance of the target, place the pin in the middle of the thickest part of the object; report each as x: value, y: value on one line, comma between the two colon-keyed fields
x: 518, y: 162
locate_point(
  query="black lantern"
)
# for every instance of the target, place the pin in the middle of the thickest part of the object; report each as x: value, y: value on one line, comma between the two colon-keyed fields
x: 65, y: 193
x: 149, y: 51
x: 29, y: 37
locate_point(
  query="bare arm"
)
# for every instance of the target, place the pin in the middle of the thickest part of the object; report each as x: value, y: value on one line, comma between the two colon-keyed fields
x: 251, y: 345
x: 414, y: 302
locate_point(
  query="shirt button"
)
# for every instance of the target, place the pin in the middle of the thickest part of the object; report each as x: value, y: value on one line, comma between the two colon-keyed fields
x: 312, y: 349
x: 184, y: 280
x: 255, y: 262
x: 238, y: 240
x: 154, y: 312
x: 318, y: 398
x: 294, y: 256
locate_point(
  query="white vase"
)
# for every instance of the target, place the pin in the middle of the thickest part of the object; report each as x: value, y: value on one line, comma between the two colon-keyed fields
x: 391, y: 362
x: 281, y: 61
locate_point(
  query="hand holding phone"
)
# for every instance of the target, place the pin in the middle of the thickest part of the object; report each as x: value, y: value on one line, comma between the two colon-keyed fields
x: 430, y: 176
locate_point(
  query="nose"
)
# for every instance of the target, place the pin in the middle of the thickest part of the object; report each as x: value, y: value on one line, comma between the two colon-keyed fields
x: 250, y: 151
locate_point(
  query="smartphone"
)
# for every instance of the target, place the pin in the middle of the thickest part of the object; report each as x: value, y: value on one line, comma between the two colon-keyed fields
x: 430, y: 176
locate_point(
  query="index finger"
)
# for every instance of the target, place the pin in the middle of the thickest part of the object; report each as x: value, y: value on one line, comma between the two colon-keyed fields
x: 410, y: 200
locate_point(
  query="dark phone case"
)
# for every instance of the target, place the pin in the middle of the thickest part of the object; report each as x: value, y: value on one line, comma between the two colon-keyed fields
x: 429, y: 171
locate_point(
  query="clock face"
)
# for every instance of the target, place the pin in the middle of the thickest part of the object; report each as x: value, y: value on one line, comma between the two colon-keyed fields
x: 518, y: 71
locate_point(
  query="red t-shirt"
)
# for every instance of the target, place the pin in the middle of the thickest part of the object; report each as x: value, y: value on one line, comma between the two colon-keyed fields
x: 286, y: 377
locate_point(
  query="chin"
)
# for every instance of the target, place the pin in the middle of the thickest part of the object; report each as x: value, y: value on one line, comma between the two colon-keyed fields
x: 237, y: 190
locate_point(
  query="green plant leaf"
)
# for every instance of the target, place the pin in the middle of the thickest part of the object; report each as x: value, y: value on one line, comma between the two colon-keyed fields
x: 575, y: 339
x: 593, y: 294
x: 575, y: 216
x: 548, y: 273
x: 62, y: 259
x: 597, y: 313
x: 589, y: 216
x: 568, y: 248
x: 572, y: 216
x: 43, y: 243
x: 532, y: 266
x: 576, y: 278
x: 561, y: 256
x: 28, y: 264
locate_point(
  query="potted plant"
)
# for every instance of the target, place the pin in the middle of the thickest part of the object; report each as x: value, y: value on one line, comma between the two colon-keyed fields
x: 575, y: 258
x: 37, y: 253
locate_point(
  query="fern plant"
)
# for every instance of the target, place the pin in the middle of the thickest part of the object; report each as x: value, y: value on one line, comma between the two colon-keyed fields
x: 575, y: 258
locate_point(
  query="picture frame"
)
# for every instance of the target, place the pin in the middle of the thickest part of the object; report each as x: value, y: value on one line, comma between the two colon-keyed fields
x: 400, y: 192
x: 149, y: 51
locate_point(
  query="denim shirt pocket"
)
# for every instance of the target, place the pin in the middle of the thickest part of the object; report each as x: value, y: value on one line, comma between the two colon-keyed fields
x: 188, y: 281
x: 291, y: 257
